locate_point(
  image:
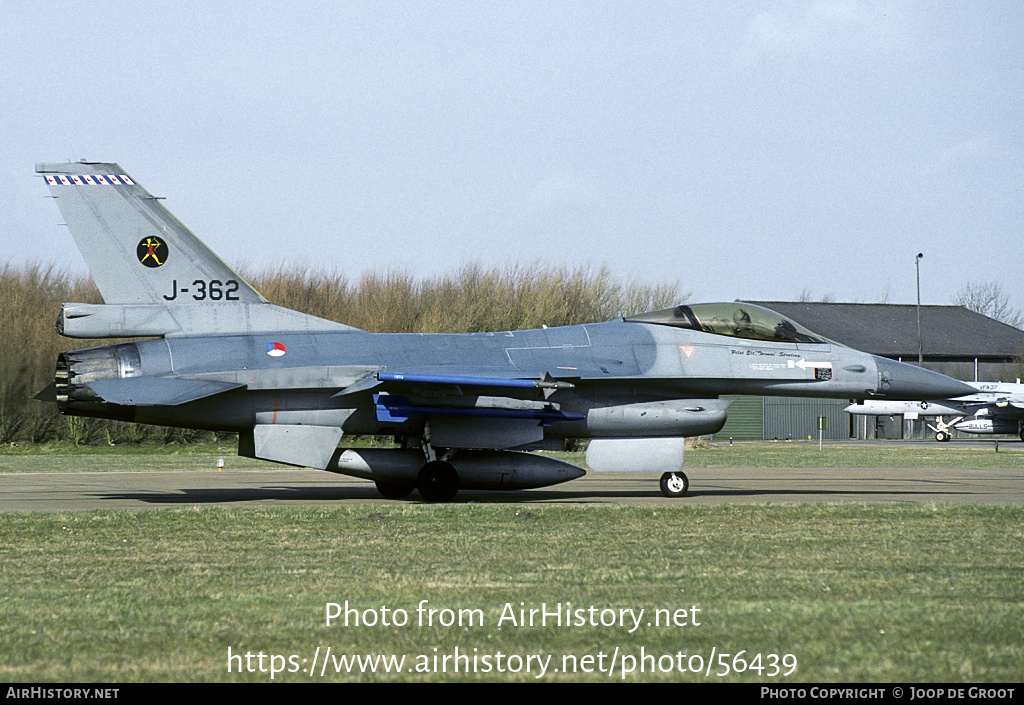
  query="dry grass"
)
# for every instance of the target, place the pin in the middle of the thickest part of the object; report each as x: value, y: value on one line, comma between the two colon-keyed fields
x: 30, y: 298
x: 470, y: 300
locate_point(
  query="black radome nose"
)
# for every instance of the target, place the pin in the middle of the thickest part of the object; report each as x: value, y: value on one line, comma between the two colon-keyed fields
x: 898, y: 380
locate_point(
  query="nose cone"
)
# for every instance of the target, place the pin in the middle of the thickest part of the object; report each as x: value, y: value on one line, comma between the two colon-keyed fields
x: 897, y: 380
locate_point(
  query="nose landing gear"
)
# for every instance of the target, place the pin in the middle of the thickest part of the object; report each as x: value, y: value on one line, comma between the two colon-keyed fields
x: 674, y: 484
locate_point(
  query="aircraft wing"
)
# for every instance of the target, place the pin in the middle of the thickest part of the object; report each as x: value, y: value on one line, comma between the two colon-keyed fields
x: 467, y: 410
x: 400, y: 395
x: 1015, y: 401
x: 457, y: 384
x: 1011, y: 404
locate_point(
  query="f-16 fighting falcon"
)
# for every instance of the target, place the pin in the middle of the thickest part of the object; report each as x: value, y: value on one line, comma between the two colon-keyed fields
x: 992, y: 408
x: 465, y: 410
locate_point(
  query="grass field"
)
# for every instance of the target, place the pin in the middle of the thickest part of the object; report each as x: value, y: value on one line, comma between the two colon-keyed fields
x: 783, y: 594
x: 858, y: 454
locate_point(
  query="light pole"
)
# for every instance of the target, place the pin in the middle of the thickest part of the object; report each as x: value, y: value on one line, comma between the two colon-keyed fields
x: 920, y: 347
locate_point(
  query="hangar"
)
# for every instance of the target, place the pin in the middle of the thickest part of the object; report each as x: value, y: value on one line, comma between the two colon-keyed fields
x: 954, y: 340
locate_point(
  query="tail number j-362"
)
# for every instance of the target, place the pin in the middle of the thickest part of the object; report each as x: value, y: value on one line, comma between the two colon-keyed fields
x: 203, y: 290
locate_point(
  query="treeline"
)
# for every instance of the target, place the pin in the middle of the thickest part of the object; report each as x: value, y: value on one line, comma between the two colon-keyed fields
x: 30, y: 298
x: 472, y: 299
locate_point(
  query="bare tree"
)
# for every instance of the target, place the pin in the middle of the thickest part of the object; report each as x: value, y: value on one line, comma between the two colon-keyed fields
x: 807, y: 297
x: 988, y: 299
x: 1017, y: 371
x: 886, y: 293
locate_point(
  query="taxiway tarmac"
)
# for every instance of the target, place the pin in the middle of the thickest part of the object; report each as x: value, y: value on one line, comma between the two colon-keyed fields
x: 285, y: 487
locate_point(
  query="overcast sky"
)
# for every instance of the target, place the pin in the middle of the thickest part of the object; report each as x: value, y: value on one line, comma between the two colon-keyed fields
x: 751, y: 150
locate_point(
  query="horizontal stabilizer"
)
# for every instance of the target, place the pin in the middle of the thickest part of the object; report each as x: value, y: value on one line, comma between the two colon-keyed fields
x: 157, y: 391
x: 47, y: 393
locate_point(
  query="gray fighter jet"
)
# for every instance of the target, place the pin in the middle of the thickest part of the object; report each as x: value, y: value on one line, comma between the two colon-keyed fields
x: 993, y: 408
x: 464, y: 410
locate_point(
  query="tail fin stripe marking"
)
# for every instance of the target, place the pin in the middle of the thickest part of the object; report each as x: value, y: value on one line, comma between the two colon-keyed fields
x: 92, y: 179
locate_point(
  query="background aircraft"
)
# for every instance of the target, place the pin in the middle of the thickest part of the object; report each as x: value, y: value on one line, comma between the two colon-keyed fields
x: 994, y: 408
x: 463, y: 409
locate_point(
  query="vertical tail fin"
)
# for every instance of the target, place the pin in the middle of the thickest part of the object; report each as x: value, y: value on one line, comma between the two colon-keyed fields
x: 156, y: 277
x: 137, y: 252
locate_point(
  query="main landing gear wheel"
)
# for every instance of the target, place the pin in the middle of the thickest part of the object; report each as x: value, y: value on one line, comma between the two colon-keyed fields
x: 437, y: 482
x: 674, y: 484
x: 395, y: 489
x: 941, y: 436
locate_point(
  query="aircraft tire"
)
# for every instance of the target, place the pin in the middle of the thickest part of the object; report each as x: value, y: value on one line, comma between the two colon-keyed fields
x: 941, y: 436
x: 395, y: 489
x: 674, y: 484
x: 437, y: 482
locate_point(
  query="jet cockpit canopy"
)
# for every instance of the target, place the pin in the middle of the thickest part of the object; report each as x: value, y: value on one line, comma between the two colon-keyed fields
x: 736, y: 319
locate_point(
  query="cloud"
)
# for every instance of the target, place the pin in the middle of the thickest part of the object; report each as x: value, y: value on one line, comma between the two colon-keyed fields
x: 559, y: 188
x: 820, y: 28
x: 969, y: 151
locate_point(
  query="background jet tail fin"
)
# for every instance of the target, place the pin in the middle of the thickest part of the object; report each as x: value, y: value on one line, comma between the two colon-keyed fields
x: 136, y: 251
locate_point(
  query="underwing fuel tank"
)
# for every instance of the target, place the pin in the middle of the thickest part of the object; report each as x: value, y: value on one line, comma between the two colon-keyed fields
x: 667, y: 417
x: 478, y: 469
x: 986, y: 426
